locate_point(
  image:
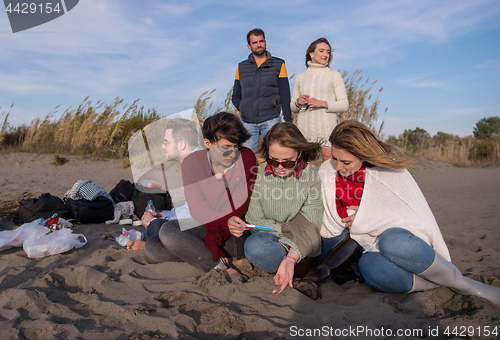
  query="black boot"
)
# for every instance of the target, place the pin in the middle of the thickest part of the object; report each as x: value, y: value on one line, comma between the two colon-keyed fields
x: 302, y: 268
x: 342, y: 256
x: 349, y: 274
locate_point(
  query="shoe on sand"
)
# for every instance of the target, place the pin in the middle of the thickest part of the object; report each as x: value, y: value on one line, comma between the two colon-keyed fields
x: 136, y: 220
x: 235, y: 277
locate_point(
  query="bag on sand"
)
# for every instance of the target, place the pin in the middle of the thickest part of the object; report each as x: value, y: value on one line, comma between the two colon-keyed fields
x: 56, y: 242
x: 97, y: 211
x: 43, y: 207
x: 122, y: 192
x: 161, y: 199
x: 15, y: 238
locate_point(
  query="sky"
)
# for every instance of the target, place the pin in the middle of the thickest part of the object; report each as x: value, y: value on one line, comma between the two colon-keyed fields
x: 438, y: 61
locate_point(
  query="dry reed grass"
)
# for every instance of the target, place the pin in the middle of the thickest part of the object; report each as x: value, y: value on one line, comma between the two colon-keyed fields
x: 460, y: 152
x: 359, y: 97
x: 99, y: 130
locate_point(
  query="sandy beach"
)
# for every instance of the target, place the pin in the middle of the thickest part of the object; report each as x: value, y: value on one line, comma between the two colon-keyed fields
x: 103, y: 291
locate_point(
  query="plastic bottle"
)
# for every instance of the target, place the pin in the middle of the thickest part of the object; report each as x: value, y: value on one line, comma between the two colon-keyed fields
x: 150, y: 207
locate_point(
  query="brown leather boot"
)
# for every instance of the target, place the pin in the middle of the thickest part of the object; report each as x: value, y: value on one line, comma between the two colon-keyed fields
x: 302, y: 268
x: 342, y: 256
x: 351, y: 273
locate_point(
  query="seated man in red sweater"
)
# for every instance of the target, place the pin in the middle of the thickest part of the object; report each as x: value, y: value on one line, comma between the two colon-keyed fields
x: 217, y: 184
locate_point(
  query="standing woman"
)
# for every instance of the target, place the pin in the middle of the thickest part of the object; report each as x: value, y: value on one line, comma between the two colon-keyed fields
x: 287, y: 200
x: 318, y: 95
x: 404, y: 250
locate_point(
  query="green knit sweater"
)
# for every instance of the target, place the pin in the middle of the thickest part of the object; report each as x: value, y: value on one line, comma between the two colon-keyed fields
x: 277, y: 200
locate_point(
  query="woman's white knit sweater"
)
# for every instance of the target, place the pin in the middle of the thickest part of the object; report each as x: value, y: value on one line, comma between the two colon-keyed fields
x: 322, y: 83
x: 391, y: 199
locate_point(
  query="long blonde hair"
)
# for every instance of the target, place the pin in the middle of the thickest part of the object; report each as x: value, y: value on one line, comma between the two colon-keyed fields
x: 357, y: 139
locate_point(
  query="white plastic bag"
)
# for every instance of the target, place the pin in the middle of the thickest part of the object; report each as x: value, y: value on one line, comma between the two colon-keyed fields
x: 15, y: 238
x: 128, y: 236
x: 56, y: 242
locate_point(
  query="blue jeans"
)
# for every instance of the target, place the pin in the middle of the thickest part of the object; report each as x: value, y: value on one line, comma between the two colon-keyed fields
x: 328, y: 244
x: 258, y: 129
x: 401, y: 255
x: 153, y: 228
x: 263, y: 250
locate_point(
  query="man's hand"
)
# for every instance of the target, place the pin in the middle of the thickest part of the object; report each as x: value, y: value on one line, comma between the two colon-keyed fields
x: 149, y: 216
x: 236, y: 226
x: 350, y: 219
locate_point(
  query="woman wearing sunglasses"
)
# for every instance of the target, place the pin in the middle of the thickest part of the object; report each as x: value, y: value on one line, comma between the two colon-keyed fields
x: 218, y: 182
x: 403, y: 249
x: 286, y: 200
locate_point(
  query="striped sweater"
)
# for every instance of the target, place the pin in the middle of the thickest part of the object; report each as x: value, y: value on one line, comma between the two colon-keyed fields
x: 277, y: 200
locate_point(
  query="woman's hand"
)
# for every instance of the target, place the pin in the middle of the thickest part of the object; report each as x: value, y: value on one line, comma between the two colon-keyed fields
x: 302, y: 100
x: 284, y: 275
x: 236, y: 226
x: 349, y: 219
x: 313, y: 102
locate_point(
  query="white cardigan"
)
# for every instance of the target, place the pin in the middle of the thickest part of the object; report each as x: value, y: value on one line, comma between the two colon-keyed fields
x: 391, y: 199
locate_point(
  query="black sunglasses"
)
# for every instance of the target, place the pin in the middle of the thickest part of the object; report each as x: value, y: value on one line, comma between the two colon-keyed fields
x: 229, y: 149
x: 286, y: 164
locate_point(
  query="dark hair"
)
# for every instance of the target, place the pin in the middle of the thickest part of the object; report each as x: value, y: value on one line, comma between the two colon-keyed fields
x: 357, y: 139
x: 225, y: 125
x: 312, y: 47
x: 184, y: 129
x: 256, y: 32
x: 289, y: 136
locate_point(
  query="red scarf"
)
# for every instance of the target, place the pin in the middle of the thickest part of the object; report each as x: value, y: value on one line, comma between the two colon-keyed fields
x: 348, y: 191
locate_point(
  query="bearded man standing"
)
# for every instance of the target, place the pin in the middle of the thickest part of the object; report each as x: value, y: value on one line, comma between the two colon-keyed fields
x: 261, y: 89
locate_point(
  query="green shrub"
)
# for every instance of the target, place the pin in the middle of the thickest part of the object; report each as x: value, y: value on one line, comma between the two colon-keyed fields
x: 125, y: 162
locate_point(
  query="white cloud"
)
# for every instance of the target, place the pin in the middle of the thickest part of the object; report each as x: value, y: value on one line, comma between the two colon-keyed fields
x: 377, y: 32
x: 493, y: 65
x: 421, y: 81
x: 177, y: 11
x: 96, y: 48
x: 427, y: 19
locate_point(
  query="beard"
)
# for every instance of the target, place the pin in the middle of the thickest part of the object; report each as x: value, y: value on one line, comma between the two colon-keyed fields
x: 259, y: 52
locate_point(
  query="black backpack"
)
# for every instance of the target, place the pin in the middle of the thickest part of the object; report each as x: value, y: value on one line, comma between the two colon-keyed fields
x: 122, y: 192
x: 43, y: 207
x: 99, y: 210
x: 161, y: 199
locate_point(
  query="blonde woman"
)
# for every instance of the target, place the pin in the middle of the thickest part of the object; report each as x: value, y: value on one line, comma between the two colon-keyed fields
x: 318, y: 95
x: 369, y: 194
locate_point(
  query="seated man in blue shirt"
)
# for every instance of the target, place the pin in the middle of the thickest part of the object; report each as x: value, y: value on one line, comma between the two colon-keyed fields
x: 180, y: 140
